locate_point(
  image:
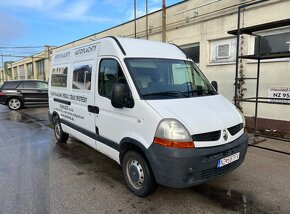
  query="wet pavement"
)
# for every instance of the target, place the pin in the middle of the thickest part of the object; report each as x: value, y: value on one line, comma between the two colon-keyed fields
x: 39, y: 176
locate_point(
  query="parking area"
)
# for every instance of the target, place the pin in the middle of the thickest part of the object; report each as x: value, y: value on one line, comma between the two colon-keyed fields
x: 39, y: 176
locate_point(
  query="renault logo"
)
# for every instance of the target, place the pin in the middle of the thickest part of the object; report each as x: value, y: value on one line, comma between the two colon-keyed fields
x: 225, y: 135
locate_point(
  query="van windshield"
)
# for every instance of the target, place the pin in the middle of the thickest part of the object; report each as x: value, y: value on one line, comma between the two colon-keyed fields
x: 168, y: 78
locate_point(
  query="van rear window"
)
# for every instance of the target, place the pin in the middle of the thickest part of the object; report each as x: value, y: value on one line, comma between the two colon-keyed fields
x: 59, y: 77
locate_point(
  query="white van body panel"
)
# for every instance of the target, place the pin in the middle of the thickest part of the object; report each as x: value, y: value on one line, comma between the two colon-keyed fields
x: 145, y: 119
x: 195, y: 113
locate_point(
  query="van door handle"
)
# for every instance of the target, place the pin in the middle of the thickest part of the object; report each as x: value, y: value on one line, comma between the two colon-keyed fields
x: 93, y: 109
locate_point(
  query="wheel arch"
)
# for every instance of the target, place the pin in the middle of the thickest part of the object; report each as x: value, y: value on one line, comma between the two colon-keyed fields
x: 53, y: 115
x: 127, y: 144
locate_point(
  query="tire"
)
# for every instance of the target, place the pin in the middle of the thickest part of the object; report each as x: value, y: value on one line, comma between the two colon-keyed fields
x: 14, y: 103
x: 138, y: 174
x: 60, y: 135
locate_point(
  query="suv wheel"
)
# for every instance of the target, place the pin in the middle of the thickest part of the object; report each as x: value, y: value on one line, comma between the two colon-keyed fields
x: 138, y: 175
x: 14, y: 103
x: 60, y: 135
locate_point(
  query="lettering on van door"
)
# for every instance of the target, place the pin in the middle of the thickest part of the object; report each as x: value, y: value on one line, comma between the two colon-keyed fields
x: 68, y: 112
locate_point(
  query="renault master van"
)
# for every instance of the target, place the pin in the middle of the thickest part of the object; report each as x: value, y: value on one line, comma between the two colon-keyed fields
x: 149, y: 108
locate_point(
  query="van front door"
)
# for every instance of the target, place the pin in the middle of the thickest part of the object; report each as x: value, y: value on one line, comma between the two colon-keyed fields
x: 112, y: 124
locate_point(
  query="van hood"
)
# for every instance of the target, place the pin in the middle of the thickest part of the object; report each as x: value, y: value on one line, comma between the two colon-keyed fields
x: 199, y: 114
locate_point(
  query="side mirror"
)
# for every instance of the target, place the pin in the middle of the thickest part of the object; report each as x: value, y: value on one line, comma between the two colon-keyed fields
x: 215, y: 85
x: 119, y: 94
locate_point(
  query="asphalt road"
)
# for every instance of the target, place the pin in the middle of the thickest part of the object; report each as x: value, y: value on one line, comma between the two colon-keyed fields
x: 39, y: 176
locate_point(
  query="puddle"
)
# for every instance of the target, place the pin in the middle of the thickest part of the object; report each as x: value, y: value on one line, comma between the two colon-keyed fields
x: 229, y: 199
x: 90, y: 161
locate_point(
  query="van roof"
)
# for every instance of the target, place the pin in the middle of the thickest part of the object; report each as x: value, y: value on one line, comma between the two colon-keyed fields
x: 126, y: 47
x: 152, y: 49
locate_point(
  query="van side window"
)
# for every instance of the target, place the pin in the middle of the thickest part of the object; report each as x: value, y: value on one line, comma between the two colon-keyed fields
x: 82, y: 75
x: 59, y: 77
x: 110, y: 73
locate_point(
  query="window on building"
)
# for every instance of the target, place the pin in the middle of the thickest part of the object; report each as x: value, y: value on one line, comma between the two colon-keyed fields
x: 22, y: 72
x: 30, y: 71
x: 192, y: 52
x: 40, y: 68
x: 59, y: 77
x: 110, y: 73
x: 82, y: 77
x: 223, y: 51
x: 273, y: 42
x: 15, y: 71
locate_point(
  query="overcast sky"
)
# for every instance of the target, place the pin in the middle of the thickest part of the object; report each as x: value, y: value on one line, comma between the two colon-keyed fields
x: 56, y: 22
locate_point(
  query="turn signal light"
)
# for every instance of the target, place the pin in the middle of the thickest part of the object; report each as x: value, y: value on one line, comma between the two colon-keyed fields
x: 1, y: 93
x: 174, y: 144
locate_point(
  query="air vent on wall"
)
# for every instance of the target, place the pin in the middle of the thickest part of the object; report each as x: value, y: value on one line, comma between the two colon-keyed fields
x: 223, y: 51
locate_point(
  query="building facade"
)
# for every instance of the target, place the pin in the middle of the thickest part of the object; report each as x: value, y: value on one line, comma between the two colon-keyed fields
x: 200, y: 28
x: 33, y: 67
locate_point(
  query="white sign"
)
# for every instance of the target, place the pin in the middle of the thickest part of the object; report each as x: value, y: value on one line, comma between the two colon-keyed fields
x: 279, y: 94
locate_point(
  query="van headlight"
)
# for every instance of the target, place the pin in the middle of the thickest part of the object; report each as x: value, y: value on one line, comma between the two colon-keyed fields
x: 243, y: 117
x: 171, y: 133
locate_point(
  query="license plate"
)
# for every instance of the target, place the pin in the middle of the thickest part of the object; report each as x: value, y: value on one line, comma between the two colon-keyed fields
x: 227, y: 160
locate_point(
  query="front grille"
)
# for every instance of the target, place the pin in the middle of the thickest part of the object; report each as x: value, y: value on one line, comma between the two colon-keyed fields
x: 235, y: 129
x: 213, y: 172
x: 209, y: 136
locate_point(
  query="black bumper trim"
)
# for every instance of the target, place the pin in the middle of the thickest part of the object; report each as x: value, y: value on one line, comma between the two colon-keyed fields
x: 182, y: 168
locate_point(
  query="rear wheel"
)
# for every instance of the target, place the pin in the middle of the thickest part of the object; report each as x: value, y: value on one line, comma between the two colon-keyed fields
x: 138, y: 175
x: 14, y: 103
x: 60, y: 135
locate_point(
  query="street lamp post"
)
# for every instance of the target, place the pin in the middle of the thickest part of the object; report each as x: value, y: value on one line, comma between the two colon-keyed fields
x: 2, y: 71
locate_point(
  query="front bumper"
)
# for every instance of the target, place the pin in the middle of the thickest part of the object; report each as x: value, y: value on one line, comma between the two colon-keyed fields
x: 181, y: 168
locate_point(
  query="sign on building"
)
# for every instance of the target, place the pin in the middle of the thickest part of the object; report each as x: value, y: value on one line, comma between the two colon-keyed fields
x: 279, y: 94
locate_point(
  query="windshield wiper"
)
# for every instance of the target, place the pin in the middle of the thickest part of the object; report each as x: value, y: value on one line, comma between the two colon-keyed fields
x: 207, y: 92
x: 167, y: 93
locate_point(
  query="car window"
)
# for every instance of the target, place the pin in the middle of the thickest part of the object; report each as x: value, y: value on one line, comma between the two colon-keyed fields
x: 10, y: 85
x: 21, y: 86
x: 42, y: 85
x: 30, y: 85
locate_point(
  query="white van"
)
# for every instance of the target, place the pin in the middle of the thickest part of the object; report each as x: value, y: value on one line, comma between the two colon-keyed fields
x: 148, y: 107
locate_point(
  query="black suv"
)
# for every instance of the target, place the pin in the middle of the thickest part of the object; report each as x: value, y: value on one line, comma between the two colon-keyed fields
x: 17, y: 93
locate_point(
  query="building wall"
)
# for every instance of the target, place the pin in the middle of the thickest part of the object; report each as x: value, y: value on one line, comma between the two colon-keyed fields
x: 206, y: 22
x: 29, y: 66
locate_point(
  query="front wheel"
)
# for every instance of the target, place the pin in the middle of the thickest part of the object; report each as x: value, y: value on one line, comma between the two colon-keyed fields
x: 138, y: 175
x: 60, y: 135
x: 14, y: 103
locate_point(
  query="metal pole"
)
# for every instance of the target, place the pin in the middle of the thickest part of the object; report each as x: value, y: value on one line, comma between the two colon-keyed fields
x: 135, y: 24
x: 147, y: 36
x: 237, y: 57
x: 257, y: 95
x: 257, y: 88
x: 163, y: 20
